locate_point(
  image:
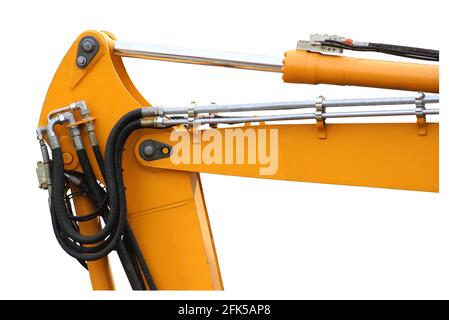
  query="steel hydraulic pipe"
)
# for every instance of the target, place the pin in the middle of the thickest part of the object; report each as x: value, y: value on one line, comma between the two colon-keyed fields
x: 213, y: 108
x: 301, y: 116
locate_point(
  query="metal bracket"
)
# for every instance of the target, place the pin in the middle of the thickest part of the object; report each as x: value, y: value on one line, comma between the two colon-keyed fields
x: 151, y: 150
x: 314, y: 43
x: 191, y: 113
x: 320, y: 121
x: 42, y: 177
x: 193, y: 124
x: 420, y: 116
x: 87, y: 49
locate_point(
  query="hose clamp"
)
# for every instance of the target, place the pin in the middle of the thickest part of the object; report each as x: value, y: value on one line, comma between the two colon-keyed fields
x: 191, y: 113
x: 320, y: 121
x: 420, y: 114
x: 159, y: 122
x: 319, y: 108
x: 420, y: 105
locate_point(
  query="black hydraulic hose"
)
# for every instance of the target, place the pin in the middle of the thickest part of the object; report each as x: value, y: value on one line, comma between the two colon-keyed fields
x: 403, y: 51
x: 109, y: 163
x: 102, y: 207
x: 91, y: 216
x: 100, y: 160
x: 76, y: 251
x: 114, y: 178
x: 124, y: 134
x: 63, y: 225
x: 126, y: 131
x: 98, y: 196
x: 116, y: 234
x: 58, y: 199
x: 86, y: 191
x: 127, y: 259
x: 141, y: 259
x: 89, y: 175
x: 125, y: 256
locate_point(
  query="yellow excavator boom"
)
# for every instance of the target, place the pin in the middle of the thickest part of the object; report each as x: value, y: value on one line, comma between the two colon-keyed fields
x: 165, y: 205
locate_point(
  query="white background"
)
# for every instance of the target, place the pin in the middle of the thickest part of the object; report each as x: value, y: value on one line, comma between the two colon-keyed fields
x: 274, y: 239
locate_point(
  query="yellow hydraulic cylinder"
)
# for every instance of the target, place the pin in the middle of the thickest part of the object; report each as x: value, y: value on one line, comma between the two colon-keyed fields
x: 315, y: 68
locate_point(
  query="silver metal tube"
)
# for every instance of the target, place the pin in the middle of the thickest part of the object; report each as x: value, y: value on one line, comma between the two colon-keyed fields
x: 301, y: 116
x: 66, y: 117
x: 79, y: 105
x: 300, y: 105
x: 198, y: 56
x: 51, y: 134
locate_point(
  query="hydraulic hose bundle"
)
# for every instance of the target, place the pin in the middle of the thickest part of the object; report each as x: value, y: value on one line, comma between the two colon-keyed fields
x: 109, y: 202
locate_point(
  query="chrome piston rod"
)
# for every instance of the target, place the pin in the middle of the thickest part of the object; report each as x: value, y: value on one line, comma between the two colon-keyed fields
x: 198, y: 56
x: 164, y: 122
x: 215, y: 108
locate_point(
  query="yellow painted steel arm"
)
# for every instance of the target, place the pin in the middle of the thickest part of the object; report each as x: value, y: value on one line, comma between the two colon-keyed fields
x: 383, y: 155
x: 166, y: 207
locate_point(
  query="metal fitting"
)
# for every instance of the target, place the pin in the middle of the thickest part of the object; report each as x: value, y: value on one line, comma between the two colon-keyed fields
x: 147, y: 123
x: 156, y: 111
x: 314, y: 43
x: 74, y: 106
x: 40, y: 132
x: 159, y: 122
x: 42, y: 177
x: 153, y: 122
x: 43, y: 169
x: 191, y: 110
x: 420, y: 105
x: 73, y: 179
x: 319, y: 108
x: 191, y: 113
x: 90, y: 129
x: 82, y: 107
x: 52, y: 137
x: 74, y: 131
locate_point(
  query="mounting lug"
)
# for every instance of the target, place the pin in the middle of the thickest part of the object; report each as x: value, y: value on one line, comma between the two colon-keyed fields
x: 87, y: 50
x: 151, y: 150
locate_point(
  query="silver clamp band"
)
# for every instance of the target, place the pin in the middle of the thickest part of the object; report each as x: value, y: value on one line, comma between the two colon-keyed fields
x: 420, y: 105
x: 158, y: 111
x: 319, y: 109
x: 191, y: 113
x: 159, y: 122
x: 155, y: 111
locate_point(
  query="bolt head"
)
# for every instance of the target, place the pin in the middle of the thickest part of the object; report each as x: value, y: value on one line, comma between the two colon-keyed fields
x: 87, y: 45
x: 148, y: 150
x: 81, y: 61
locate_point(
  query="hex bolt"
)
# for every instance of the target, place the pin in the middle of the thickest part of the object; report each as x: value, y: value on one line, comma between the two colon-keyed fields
x: 87, y: 45
x: 81, y: 61
x: 148, y: 150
